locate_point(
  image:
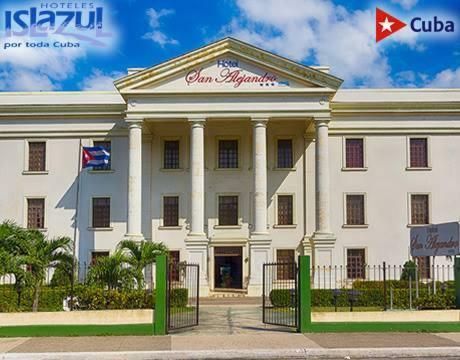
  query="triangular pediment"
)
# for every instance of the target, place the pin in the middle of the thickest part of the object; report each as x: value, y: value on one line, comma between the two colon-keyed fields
x: 228, y: 65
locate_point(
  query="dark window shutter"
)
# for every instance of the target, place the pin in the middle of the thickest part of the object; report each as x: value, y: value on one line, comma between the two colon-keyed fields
x: 285, y: 210
x: 228, y: 210
x: 101, y: 212
x: 171, y: 154
x: 228, y: 154
x: 354, y: 153
x: 285, y: 157
x: 171, y: 211
x: 420, y: 209
x: 418, y: 152
x: 355, y: 209
x: 35, y: 213
x: 356, y: 264
x: 37, y: 156
x: 286, y: 264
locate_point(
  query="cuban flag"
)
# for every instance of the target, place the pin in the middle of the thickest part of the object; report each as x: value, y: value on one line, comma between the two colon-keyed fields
x: 95, y: 157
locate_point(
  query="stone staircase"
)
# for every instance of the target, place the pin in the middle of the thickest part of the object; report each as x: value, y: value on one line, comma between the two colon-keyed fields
x: 228, y: 293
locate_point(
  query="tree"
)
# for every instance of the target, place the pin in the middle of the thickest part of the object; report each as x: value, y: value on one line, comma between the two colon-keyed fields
x: 13, y: 243
x: 40, y: 254
x: 140, y: 255
x: 111, y: 272
x: 409, y: 271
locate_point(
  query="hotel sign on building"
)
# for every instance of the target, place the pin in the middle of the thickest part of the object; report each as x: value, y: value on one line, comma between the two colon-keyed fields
x: 233, y: 157
x: 435, y: 240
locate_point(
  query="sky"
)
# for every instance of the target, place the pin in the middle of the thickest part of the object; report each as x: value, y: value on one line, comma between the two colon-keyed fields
x: 337, y: 33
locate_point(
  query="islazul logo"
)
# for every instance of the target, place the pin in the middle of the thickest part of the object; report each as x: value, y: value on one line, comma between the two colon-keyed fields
x: 387, y: 24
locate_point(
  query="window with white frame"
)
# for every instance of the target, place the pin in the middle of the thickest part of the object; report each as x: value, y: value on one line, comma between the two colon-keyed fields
x: 418, y: 152
x: 285, y: 209
x: 228, y: 157
x: 37, y: 156
x: 354, y: 153
x: 171, y: 154
x: 355, y: 209
x: 228, y: 210
x: 285, y: 157
x: 101, y: 212
x: 171, y: 211
x: 36, y: 213
x: 419, y: 209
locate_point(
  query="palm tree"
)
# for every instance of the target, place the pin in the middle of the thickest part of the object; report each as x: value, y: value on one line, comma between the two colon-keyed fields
x: 13, y: 240
x: 140, y: 255
x: 41, y: 254
x: 111, y: 272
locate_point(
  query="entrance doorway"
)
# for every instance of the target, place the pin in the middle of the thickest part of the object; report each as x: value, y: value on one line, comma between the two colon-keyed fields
x: 228, y: 267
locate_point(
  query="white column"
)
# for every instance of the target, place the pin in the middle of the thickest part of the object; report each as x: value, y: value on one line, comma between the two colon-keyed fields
x: 260, y: 176
x: 196, y: 241
x: 259, y: 242
x: 322, y: 177
x: 197, y: 177
x: 323, y: 238
x: 135, y: 180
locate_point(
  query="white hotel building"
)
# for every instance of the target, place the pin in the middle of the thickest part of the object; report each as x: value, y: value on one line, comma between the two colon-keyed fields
x: 233, y: 157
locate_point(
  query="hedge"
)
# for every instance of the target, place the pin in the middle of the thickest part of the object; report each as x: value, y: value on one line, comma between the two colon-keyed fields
x: 282, y: 298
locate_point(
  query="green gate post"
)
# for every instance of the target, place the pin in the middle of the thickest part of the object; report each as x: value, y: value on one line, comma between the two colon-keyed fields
x: 159, y: 324
x: 304, y: 294
x: 457, y: 281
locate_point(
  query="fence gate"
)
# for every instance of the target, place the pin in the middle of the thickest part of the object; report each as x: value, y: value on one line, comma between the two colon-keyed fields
x: 280, y: 300
x: 182, y: 300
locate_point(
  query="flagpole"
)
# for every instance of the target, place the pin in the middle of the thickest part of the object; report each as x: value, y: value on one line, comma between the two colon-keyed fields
x: 77, y: 203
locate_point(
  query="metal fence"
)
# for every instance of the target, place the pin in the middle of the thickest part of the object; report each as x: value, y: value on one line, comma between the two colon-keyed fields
x: 382, y: 286
x: 280, y: 294
x: 182, y: 295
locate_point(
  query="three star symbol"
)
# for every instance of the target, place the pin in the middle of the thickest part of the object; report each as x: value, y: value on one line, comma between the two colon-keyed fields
x: 386, y: 25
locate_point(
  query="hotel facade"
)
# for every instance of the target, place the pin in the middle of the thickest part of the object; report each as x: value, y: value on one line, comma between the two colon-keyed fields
x: 234, y: 157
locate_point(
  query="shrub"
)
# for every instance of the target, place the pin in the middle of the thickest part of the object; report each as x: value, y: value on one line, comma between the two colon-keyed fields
x: 282, y: 297
x: 409, y: 270
x: 436, y: 301
x: 178, y: 297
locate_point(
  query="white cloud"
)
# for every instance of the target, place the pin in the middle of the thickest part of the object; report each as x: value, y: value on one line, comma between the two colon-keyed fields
x: 319, y: 33
x: 406, y: 4
x: 447, y: 78
x: 35, y: 69
x: 156, y: 35
x: 98, y: 80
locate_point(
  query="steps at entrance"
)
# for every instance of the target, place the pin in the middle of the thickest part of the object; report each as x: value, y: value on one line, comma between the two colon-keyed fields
x: 228, y: 293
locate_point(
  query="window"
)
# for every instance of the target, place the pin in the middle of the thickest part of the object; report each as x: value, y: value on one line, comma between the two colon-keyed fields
x: 228, y: 154
x: 171, y: 211
x: 35, y: 213
x: 356, y: 263
x: 37, y: 156
x: 107, y: 145
x: 355, y: 210
x: 424, y: 267
x: 419, y: 209
x: 285, y: 210
x: 354, y: 153
x: 95, y: 255
x: 228, y: 210
x: 418, y: 152
x: 174, y: 259
x: 287, y: 271
x: 101, y: 212
x: 171, y: 154
x: 285, y: 157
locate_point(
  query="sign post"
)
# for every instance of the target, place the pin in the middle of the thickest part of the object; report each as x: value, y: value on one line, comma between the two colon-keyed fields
x: 304, y: 295
x: 160, y: 317
x: 457, y: 282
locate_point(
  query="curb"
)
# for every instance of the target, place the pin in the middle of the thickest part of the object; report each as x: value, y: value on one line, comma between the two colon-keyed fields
x: 362, y: 353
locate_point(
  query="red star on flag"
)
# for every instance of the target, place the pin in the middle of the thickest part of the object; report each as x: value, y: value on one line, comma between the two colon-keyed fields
x: 386, y: 25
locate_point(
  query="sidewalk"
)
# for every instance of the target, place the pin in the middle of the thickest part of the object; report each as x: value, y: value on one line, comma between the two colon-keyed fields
x: 268, y: 345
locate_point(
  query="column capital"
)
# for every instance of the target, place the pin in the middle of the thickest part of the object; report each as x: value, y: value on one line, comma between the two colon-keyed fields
x: 197, y: 120
x: 134, y: 122
x: 259, y: 121
x: 322, y: 121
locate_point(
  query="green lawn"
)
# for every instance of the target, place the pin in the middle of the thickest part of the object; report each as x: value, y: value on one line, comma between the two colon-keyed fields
x: 147, y: 329
x: 346, y: 309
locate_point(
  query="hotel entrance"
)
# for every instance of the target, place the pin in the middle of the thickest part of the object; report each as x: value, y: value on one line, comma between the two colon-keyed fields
x: 228, y: 267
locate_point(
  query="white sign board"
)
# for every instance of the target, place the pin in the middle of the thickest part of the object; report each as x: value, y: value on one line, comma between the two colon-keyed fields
x: 435, y: 240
